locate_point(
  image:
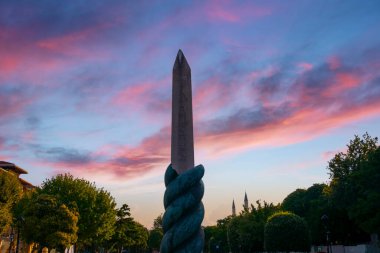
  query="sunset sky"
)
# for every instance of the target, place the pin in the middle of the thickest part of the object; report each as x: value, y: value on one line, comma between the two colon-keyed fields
x: 279, y: 87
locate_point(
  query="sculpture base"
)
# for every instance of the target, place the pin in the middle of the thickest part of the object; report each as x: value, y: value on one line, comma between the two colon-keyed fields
x: 184, y: 211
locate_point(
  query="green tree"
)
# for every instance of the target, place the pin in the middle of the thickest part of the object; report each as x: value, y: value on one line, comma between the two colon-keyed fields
x: 365, y: 209
x: 210, y: 234
x: 349, y: 187
x: 247, y: 229
x: 139, y: 236
x: 96, y: 208
x: 156, y: 234
x: 295, y: 202
x: 124, y: 221
x: 129, y: 234
x: 242, y: 233
x: 343, y: 165
x: 286, y: 232
x: 10, y: 193
x: 47, y: 222
x: 310, y: 204
x: 157, y: 223
x: 154, y: 240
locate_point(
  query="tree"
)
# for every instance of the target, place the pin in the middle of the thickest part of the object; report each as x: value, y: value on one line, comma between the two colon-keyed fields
x: 343, y: 165
x: 47, y: 222
x: 244, y: 232
x: 129, y: 234
x: 10, y: 193
x: 310, y: 204
x: 351, y: 183
x: 295, y: 202
x: 124, y: 221
x: 247, y: 229
x: 154, y: 240
x: 286, y: 232
x: 156, y: 234
x: 358, y: 149
x: 96, y: 208
x: 139, y: 236
x: 365, y: 209
x: 157, y: 223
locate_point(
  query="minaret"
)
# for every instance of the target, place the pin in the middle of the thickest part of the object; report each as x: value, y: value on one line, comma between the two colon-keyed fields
x: 245, y: 201
x: 233, y: 208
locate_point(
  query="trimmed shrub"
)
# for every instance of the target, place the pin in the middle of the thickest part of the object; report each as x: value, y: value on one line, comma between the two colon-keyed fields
x: 285, y: 232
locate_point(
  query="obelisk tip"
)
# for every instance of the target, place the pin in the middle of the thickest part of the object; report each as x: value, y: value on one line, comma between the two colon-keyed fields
x: 180, y: 55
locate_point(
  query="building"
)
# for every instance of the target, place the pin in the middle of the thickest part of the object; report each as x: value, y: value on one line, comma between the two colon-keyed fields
x: 8, y: 241
x: 16, y: 170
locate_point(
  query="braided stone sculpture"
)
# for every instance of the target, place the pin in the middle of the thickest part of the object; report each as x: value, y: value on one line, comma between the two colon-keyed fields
x: 184, y: 211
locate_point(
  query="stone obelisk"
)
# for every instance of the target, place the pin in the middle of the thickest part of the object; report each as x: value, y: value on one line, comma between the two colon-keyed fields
x: 182, y: 148
x: 184, y: 209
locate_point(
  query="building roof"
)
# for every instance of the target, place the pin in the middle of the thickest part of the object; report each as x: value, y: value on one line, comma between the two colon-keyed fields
x: 13, y: 167
x: 26, y: 184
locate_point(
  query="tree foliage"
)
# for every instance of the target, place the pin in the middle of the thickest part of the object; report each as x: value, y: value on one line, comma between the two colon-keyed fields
x: 10, y: 193
x: 139, y: 235
x: 157, y: 223
x: 96, y: 207
x: 129, y: 234
x: 242, y: 233
x: 155, y: 237
x: 47, y: 222
x: 310, y: 204
x: 286, y: 232
x: 354, y: 183
x: 365, y: 208
x: 343, y: 165
x: 156, y: 234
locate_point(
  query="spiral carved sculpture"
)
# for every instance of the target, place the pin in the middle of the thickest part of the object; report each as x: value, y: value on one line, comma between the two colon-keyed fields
x: 184, y: 211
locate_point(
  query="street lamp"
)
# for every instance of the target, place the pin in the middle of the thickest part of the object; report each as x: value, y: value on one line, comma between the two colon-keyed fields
x: 325, y: 221
x: 228, y: 236
x: 11, y: 236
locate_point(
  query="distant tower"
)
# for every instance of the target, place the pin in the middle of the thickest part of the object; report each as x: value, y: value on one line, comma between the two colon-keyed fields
x: 233, y: 208
x: 245, y: 201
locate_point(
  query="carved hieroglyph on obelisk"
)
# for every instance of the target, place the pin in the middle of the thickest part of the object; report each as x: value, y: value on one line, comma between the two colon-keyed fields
x: 184, y: 209
x: 182, y: 148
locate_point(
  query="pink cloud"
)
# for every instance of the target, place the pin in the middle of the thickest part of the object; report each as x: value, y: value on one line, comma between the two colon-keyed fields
x: 312, y: 107
x: 305, y: 66
x: 334, y: 62
x: 210, y: 96
x: 13, y: 104
x: 144, y: 97
x: 230, y: 11
x: 343, y: 82
x: 153, y: 153
x: 302, y: 126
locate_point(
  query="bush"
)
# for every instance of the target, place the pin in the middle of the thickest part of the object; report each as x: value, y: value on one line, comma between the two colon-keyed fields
x: 285, y: 231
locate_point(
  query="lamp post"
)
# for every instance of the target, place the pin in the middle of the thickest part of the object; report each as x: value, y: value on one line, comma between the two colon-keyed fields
x: 11, y: 236
x: 325, y: 221
x: 228, y: 236
x: 18, y: 222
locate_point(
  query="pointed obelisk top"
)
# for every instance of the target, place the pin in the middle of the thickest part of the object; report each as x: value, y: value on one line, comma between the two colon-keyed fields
x: 181, y: 62
x: 182, y: 146
x: 180, y: 55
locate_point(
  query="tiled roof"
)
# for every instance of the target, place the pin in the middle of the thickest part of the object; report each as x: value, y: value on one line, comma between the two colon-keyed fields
x: 13, y: 167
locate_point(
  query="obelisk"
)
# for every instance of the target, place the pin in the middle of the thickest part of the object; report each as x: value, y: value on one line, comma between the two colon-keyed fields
x: 182, y: 148
x: 184, y: 210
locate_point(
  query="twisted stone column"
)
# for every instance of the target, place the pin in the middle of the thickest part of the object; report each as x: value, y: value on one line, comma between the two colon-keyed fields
x: 184, y: 211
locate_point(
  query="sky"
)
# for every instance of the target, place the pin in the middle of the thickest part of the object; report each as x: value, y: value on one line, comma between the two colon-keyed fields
x: 279, y: 87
